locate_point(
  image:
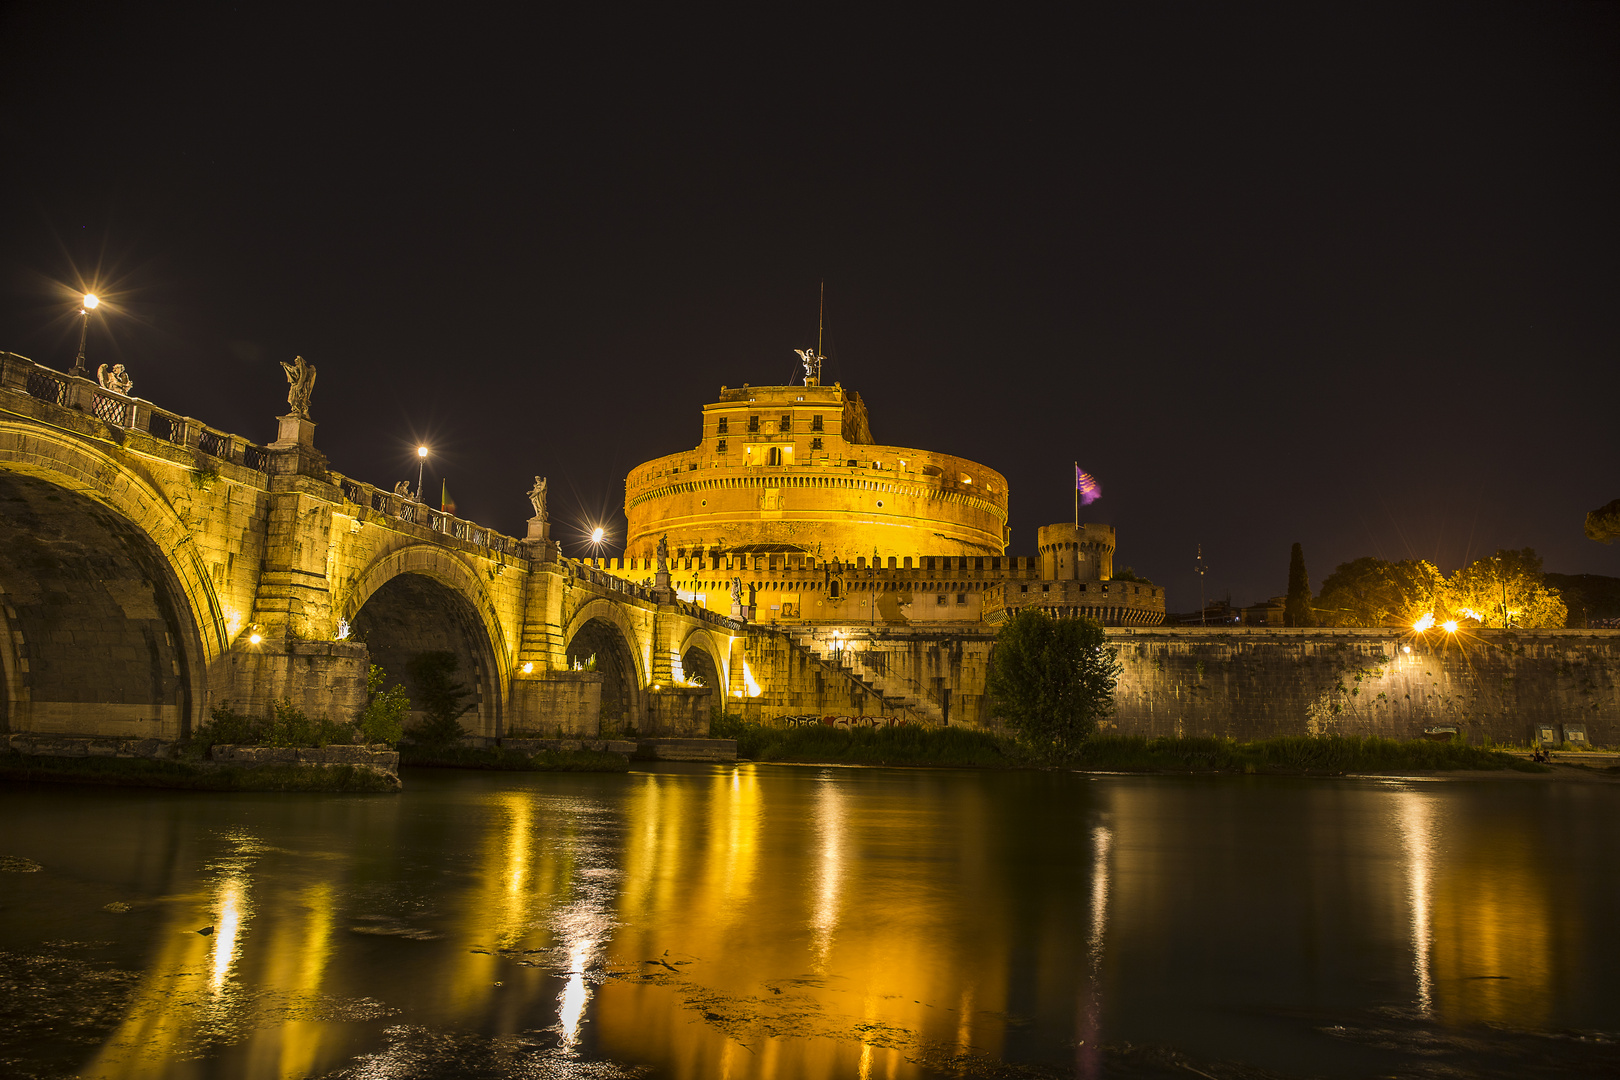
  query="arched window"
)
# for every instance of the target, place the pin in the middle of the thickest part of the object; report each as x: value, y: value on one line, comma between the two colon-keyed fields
x: 774, y: 457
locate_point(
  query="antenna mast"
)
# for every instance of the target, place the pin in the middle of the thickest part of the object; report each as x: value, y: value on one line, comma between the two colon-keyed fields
x: 821, y: 322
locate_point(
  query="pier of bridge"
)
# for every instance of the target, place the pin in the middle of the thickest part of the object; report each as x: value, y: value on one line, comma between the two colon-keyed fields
x: 153, y: 567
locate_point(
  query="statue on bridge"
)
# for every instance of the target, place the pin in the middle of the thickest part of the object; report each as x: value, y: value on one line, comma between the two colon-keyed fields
x: 663, y: 554
x: 537, y: 497
x: 115, y: 379
x: 300, y: 385
x: 736, y: 592
x: 403, y: 490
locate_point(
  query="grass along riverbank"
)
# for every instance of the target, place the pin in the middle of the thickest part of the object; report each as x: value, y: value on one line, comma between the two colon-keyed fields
x: 191, y: 776
x: 957, y: 747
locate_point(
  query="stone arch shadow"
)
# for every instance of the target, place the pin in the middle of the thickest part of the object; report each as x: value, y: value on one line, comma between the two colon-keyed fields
x: 702, y: 657
x: 420, y: 599
x: 105, y: 591
x: 601, y: 628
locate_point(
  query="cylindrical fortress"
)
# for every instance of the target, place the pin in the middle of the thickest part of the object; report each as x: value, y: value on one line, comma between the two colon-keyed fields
x: 1068, y: 553
x: 794, y: 469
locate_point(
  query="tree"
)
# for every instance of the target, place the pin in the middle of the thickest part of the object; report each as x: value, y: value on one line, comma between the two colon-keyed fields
x: 1505, y: 589
x: 441, y: 697
x: 1297, y: 612
x: 1373, y: 592
x: 1052, y: 679
x: 383, y: 719
x: 1603, y: 524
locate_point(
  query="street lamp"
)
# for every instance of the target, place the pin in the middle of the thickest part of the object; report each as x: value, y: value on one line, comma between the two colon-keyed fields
x: 89, y: 304
x: 421, y: 463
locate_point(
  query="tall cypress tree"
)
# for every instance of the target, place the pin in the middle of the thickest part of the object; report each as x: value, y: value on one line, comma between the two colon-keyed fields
x: 1298, y: 610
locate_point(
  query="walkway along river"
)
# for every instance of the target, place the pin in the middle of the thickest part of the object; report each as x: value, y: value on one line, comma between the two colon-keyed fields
x: 702, y: 921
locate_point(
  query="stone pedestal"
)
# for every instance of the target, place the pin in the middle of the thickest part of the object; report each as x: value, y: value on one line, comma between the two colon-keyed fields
x: 294, y: 431
x: 677, y: 711
x: 539, y: 529
x: 661, y: 589
x: 557, y: 704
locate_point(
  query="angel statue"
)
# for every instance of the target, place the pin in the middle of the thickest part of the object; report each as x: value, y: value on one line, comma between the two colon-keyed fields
x: 300, y: 384
x: 537, y: 496
x: 812, y: 364
x: 663, y: 554
x: 736, y: 591
x: 115, y: 379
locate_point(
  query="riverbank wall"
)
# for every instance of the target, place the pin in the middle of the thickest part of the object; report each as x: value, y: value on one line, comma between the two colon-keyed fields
x: 155, y: 763
x: 1248, y: 683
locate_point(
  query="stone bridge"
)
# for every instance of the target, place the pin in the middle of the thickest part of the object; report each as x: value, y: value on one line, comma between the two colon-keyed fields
x: 153, y: 567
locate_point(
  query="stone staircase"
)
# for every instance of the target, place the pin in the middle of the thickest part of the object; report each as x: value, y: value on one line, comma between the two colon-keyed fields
x: 899, y: 694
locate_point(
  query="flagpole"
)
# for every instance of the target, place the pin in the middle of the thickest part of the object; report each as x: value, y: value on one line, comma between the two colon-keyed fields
x: 1077, y: 495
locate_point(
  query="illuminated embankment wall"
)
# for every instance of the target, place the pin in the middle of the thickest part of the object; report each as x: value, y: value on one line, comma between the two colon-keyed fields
x: 1260, y: 683
x: 1255, y: 684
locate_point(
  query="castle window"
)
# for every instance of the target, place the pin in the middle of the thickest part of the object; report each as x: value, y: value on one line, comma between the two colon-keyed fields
x: 815, y: 444
x: 720, y: 447
x: 774, y: 457
x: 835, y: 589
x: 939, y: 600
x: 815, y: 423
x: 753, y: 424
x: 786, y: 423
x: 1023, y: 588
x: 961, y: 599
x: 721, y: 429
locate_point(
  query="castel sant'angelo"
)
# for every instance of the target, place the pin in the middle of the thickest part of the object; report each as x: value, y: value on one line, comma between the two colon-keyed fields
x: 789, y: 511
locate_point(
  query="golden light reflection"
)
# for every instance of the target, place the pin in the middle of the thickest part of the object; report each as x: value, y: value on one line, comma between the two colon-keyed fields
x: 226, y: 928
x: 1414, y: 813
x: 829, y: 867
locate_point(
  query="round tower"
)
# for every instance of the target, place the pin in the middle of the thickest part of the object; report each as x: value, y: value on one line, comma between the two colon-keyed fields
x: 794, y: 469
x: 1068, y: 553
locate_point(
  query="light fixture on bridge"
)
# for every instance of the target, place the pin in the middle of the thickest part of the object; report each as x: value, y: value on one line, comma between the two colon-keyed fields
x: 88, y: 303
x: 421, y: 462
x: 597, y: 534
x: 528, y: 667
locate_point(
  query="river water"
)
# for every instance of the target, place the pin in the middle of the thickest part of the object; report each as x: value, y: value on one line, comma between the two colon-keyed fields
x: 779, y: 921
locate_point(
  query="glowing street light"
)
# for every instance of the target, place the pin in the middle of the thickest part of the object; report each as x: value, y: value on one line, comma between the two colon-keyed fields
x: 597, y: 534
x: 1450, y: 626
x: 421, y: 463
x: 88, y: 303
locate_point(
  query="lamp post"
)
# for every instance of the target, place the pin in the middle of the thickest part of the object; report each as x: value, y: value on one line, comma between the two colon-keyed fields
x: 88, y: 305
x: 421, y: 463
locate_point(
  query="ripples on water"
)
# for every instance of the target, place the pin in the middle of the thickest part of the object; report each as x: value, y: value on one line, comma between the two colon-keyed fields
x: 772, y: 921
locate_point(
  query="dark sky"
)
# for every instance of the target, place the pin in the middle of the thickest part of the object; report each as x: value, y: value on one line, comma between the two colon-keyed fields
x: 1345, y: 276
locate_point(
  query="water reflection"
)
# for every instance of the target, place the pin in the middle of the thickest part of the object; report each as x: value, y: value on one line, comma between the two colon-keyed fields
x: 752, y: 921
x: 1413, y: 814
x: 828, y: 867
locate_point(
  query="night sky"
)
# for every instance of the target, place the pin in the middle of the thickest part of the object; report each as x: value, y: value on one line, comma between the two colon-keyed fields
x: 1345, y: 276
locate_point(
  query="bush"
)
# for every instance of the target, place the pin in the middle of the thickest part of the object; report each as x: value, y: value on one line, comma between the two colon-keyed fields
x: 383, y: 720
x: 287, y: 727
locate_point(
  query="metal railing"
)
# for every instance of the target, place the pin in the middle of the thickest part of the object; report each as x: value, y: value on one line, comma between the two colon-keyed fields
x: 135, y: 414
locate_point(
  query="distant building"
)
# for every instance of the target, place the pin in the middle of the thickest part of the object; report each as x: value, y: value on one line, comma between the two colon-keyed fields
x: 1265, y: 612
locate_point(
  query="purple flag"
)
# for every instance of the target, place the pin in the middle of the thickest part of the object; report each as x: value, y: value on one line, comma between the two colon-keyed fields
x: 1090, y: 491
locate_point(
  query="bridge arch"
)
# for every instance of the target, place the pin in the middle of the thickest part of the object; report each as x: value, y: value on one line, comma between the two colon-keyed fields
x: 701, y: 656
x: 422, y: 598
x: 602, y: 628
x: 106, y: 590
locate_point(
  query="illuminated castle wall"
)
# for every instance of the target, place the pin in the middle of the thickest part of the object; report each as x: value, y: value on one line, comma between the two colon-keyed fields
x: 788, y: 491
x: 795, y: 469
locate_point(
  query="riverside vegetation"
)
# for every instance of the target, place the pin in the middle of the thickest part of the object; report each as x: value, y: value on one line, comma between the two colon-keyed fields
x: 1050, y: 681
